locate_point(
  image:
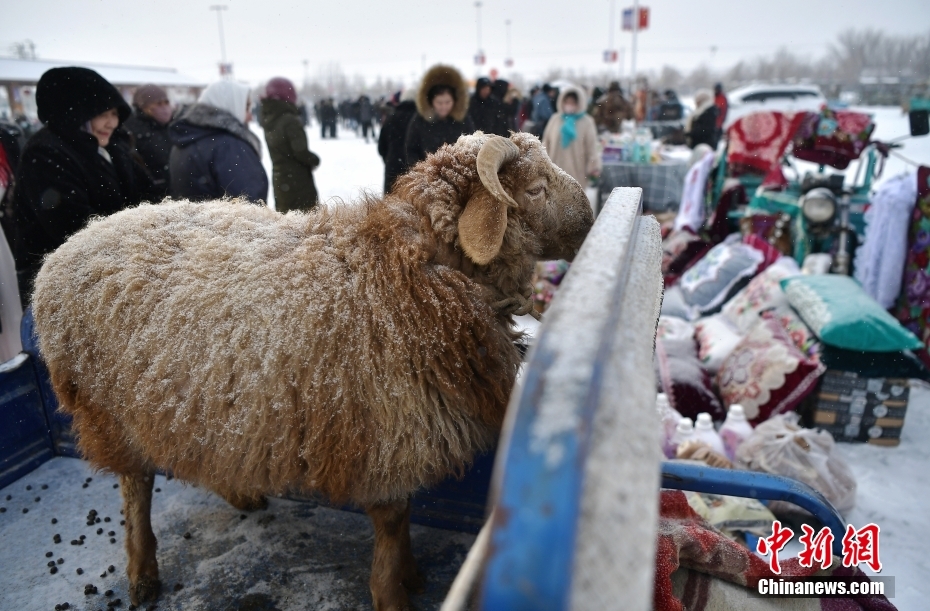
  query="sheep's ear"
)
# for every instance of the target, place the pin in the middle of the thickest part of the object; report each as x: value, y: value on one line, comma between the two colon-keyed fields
x: 484, y: 221
x: 482, y: 226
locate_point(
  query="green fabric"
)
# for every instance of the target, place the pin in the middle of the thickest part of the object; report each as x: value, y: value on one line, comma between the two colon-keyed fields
x: 843, y: 315
x: 292, y: 163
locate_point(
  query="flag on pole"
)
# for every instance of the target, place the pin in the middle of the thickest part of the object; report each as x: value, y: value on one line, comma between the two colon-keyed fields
x: 627, y: 19
x: 643, y: 20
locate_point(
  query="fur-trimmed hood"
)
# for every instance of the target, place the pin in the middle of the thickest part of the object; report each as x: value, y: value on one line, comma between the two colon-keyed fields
x: 441, y: 74
x: 578, y: 91
x: 200, y: 120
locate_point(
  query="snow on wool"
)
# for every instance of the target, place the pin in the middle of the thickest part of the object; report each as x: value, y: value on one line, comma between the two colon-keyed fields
x: 359, y: 351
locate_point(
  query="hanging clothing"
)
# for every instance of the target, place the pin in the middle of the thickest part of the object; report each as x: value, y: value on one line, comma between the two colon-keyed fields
x: 691, y: 210
x: 913, y: 309
x: 879, y: 262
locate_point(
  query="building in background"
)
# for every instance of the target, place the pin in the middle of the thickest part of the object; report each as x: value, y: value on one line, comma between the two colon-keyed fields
x: 18, y: 79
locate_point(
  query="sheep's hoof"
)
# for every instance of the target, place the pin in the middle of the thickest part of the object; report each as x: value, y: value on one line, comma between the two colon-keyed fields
x: 145, y: 588
x: 247, y: 503
x: 415, y: 583
x: 398, y: 602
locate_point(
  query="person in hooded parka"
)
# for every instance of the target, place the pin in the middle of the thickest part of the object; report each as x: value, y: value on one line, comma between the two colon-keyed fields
x: 214, y: 154
x: 79, y: 165
x: 393, y: 137
x: 292, y: 162
x: 571, y: 136
x: 442, y: 113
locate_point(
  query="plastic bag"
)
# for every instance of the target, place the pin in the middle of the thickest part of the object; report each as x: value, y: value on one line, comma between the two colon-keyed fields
x: 781, y: 447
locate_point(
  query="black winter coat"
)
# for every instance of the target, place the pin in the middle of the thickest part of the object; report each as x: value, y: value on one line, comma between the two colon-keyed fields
x: 391, y: 142
x: 488, y: 115
x: 153, y: 145
x: 425, y: 137
x: 63, y: 181
x: 704, y: 128
x: 215, y: 155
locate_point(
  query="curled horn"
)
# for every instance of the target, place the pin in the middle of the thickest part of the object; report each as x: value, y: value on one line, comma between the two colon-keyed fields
x: 491, y: 156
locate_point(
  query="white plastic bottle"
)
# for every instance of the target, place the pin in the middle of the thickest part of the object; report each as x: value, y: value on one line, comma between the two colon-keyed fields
x: 683, y: 432
x: 669, y: 422
x: 735, y: 430
x: 704, y: 431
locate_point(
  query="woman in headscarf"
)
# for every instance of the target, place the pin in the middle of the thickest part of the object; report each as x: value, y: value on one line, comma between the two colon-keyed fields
x: 442, y: 113
x: 292, y: 163
x: 571, y: 136
x: 77, y: 166
x: 148, y: 126
x: 214, y: 153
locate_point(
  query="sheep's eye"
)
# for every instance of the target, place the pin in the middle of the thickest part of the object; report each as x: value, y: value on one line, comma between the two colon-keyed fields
x: 536, y: 191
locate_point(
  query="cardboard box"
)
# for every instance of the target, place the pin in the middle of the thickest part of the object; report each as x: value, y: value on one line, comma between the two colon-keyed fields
x: 859, y: 409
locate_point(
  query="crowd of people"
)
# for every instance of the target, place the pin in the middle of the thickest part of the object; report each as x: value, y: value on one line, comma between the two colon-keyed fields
x: 96, y: 154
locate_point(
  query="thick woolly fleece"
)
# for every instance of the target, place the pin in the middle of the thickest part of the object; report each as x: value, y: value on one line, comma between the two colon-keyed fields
x: 349, y: 350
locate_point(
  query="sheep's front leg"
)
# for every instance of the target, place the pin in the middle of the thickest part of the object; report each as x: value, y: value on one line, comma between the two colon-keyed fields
x: 393, y: 569
x: 142, y: 567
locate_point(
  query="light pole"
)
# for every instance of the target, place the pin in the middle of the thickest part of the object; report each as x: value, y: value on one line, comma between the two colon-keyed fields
x: 225, y: 72
x: 508, y: 62
x: 479, y: 57
x: 635, y: 31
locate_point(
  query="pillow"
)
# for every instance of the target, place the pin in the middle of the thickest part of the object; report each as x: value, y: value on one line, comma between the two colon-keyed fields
x: 801, y: 335
x: 762, y: 292
x: 766, y: 373
x: 673, y: 304
x: 843, y: 315
x: 674, y: 328
x: 679, y: 251
x: 684, y: 381
x: 716, y: 340
x: 715, y: 278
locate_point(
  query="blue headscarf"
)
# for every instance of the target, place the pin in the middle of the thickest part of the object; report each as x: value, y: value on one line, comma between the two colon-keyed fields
x: 569, y: 133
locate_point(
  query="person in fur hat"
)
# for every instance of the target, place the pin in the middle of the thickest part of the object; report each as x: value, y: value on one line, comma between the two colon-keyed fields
x: 78, y: 166
x: 214, y: 153
x: 442, y: 113
x: 292, y: 162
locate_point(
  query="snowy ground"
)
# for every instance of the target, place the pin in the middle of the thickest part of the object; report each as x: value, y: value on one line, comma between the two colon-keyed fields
x: 291, y: 557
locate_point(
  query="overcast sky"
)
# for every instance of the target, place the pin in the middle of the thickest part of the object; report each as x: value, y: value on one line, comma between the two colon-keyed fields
x: 395, y: 38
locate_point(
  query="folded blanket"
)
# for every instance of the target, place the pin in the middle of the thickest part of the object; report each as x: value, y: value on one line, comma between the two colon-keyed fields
x: 699, y: 569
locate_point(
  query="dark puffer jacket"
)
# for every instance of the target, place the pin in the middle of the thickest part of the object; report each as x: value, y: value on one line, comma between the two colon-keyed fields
x: 292, y: 163
x: 391, y: 142
x: 63, y: 178
x: 215, y: 155
x: 153, y: 145
x: 488, y: 114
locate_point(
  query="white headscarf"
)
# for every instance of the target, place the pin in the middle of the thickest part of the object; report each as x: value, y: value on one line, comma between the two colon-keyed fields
x: 229, y: 96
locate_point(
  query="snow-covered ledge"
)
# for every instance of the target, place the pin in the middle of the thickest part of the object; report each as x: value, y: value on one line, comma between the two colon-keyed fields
x: 576, y: 487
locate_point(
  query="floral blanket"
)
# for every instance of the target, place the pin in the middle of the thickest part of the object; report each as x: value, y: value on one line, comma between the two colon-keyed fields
x: 833, y: 137
x: 756, y: 142
x: 913, y: 308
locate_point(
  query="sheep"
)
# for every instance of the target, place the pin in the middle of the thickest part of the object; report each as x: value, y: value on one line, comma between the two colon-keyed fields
x: 357, y: 351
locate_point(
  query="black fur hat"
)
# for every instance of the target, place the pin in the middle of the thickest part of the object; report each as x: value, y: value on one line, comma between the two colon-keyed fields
x: 69, y: 97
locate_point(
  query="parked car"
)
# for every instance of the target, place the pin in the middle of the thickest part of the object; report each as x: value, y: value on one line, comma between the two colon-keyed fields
x: 784, y: 98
